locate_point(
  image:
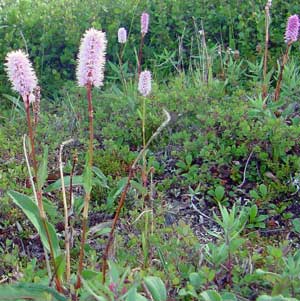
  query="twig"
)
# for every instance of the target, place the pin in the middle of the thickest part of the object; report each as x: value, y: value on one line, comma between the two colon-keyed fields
x: 245, y: 169
x: 201, y: 213
x: 67, y: 236
x: 141, y: 214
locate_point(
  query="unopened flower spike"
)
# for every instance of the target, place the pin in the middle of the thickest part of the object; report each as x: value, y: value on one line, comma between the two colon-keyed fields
x: 144, y: 23
x: 292, y: 29
x: 21, y: 73
x: 122, y: 35
x: 145, y: 83
x: 91, y: 58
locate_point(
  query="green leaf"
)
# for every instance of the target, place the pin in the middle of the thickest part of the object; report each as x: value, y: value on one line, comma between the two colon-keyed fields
x: 211, y: 295
x: 50, y: 208
x: 78, y: 204
x: 31, y: 210
x: 219, y: 193
x: 60, y: 263
x: 254, y: 194
x: 189, y: 160
x: 196, y: 280
x: 296, y: 224
x: 133, y: 295
x: 114, y: 272
x: 17, y: 102
x: 100, y: 175
x: 253, y: 212
x: 275, y: 298
x: 76, y: 181
x: 43, y: 171
x: 140, y: 188
x: 228, y: 297
x: 156, y: 288
x: 29, y: 291
x: 87, y: 176
x: 116, y: 192
x: 263, y: 190
x: 89, y: 274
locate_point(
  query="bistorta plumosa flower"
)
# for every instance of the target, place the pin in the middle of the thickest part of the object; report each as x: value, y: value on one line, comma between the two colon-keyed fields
x: 21, y: 73
x: 91, y: 58
x: 292, y: 29
x: 122, y: 35
x: 145, y: 83
x: 144, y: 23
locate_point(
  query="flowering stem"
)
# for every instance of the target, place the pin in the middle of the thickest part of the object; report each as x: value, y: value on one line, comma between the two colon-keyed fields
x: 267, y: 25
x: 140, y: 55
x: 121, y: 68
x: 39, y: 193
x: 284, y: 61
x: 124, y: 193
x: 30, y: 134
x: 144, y: 176
x: 87, y: 194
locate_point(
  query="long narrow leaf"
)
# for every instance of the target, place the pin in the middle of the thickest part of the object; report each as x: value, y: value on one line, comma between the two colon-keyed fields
x: 31, y: 210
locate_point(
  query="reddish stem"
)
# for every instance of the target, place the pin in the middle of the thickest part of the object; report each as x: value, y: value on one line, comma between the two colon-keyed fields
x: 284, y: 61
x: 114, y: 223
x: 87, y: 195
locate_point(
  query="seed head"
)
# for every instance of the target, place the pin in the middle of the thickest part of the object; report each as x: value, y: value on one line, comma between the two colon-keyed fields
x: 91, y: 58
x: 145, y: 83
x: 20, y: 72
x: 122, y: 35
x: 292, y: 29
x: 144, y: 23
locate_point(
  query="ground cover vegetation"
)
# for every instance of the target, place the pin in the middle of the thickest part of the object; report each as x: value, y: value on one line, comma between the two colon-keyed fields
x: 149, y: 150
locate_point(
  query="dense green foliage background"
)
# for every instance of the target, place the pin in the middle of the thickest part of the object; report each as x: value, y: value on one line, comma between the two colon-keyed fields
x: 51, y: 30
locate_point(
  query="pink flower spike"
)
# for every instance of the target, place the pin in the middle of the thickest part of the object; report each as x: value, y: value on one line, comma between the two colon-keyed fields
x: 122, y: 35
x: 20, y: 72
x: 91, y: 58
x: 292, y: 29
x: 145, y: 83
x: 144, y: 23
